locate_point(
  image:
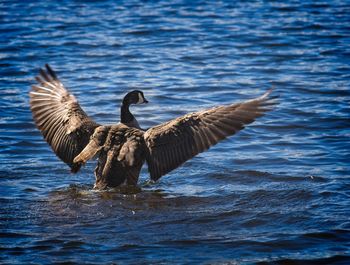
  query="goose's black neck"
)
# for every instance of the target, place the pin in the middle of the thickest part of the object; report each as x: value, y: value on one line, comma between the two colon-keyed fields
x: 125, y: 113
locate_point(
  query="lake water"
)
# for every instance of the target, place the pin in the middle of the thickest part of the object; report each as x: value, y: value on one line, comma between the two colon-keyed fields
x: 278, y: 192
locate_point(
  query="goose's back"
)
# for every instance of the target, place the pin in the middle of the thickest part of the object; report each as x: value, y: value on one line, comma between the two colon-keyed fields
x: 121, y: 155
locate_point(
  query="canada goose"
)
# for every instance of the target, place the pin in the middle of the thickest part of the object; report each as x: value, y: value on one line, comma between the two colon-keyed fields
x: 123, y: 148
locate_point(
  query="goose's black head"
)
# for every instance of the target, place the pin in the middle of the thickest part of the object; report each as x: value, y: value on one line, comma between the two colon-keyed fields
x: 134, y: 97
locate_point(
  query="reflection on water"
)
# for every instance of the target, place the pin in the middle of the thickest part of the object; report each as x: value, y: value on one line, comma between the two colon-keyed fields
x: 276, y: 192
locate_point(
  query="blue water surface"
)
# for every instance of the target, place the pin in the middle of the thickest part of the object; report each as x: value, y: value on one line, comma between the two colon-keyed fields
x: 275, y: 193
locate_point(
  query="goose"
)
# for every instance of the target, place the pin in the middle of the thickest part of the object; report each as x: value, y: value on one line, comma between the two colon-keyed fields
x: 123, y: 148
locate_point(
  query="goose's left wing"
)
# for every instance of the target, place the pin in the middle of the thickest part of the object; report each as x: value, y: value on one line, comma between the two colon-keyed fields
x: 172, y: 143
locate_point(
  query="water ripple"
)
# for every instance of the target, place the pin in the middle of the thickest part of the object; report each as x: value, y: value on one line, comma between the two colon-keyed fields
x: 279, y: 194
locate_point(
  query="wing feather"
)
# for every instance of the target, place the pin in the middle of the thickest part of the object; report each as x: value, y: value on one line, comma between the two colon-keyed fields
x: 174, y: 142
x: 59, y: 117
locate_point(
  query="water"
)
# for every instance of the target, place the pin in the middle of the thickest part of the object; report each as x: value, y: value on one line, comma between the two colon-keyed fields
x: 278, y: 192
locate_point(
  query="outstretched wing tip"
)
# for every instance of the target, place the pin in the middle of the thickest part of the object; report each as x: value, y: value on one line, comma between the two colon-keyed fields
x: 268, y: 99
x: 268, y: 93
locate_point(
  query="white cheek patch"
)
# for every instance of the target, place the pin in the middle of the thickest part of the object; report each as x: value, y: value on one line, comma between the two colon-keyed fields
x: 141, y: 100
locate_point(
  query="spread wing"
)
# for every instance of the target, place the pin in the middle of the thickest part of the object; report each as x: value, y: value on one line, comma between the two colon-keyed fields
x: 172, y: 143
x: 59, y: 117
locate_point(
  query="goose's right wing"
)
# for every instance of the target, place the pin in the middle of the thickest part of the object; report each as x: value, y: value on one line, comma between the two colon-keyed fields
x: 172, y: 143
x: 59, y: 117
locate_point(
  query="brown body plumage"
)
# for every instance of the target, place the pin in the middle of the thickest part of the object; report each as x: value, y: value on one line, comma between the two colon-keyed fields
x: 122, y: 148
